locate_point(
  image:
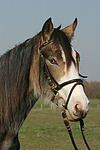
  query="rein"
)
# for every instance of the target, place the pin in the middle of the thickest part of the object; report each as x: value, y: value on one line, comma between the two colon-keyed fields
x: 55, y: 87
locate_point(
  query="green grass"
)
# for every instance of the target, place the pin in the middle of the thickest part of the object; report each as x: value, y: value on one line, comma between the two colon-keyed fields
x: 44, y: 130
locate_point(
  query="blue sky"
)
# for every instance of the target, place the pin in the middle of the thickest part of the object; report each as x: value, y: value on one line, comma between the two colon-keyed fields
x: 21, y: 19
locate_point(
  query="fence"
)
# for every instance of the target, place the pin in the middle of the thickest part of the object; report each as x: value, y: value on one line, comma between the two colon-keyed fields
x: 53, y: 107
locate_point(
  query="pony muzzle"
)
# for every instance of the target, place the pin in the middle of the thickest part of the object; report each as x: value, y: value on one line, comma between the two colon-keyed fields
x: 78, y: 112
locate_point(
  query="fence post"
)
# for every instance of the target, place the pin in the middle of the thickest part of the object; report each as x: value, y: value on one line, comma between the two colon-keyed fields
x: 97, y: 105
x: 41, y: 106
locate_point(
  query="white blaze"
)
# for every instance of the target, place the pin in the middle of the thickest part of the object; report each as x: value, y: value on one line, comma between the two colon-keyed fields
x: 78, y: 94
x: 64, y: 59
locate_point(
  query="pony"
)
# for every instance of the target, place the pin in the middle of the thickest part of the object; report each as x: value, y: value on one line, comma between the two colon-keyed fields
x: 30, y: 71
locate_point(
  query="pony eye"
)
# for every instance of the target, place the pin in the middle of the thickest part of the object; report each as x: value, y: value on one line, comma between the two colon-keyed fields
x: 52, y: 61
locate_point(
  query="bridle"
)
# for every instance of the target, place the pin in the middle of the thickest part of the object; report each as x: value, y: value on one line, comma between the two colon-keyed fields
x: 55, y: 87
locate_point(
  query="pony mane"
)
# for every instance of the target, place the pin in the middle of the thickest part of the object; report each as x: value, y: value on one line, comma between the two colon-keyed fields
x: 14, y: 71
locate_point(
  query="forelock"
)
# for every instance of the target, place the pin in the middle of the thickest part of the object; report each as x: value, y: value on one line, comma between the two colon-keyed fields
x: 61, y: 39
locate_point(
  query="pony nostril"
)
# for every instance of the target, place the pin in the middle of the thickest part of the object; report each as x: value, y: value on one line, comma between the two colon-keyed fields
x: 78, y: 109
x: 88, y: 104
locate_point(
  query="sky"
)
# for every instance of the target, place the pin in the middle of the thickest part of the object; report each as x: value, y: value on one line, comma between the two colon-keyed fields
x: 22, y: 19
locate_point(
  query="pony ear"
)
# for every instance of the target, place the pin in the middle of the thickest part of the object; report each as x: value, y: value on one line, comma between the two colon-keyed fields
x: 47, y: 30
x: 69, y: 30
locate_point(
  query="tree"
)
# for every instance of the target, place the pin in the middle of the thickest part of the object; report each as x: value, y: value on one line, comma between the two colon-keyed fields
x: 92, y: 89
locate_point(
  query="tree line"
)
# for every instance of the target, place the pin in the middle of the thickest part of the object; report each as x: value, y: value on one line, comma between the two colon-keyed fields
x: 92, y: 89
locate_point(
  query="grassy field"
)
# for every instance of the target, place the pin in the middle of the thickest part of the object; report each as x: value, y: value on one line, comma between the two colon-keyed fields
x: 44, y: 130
